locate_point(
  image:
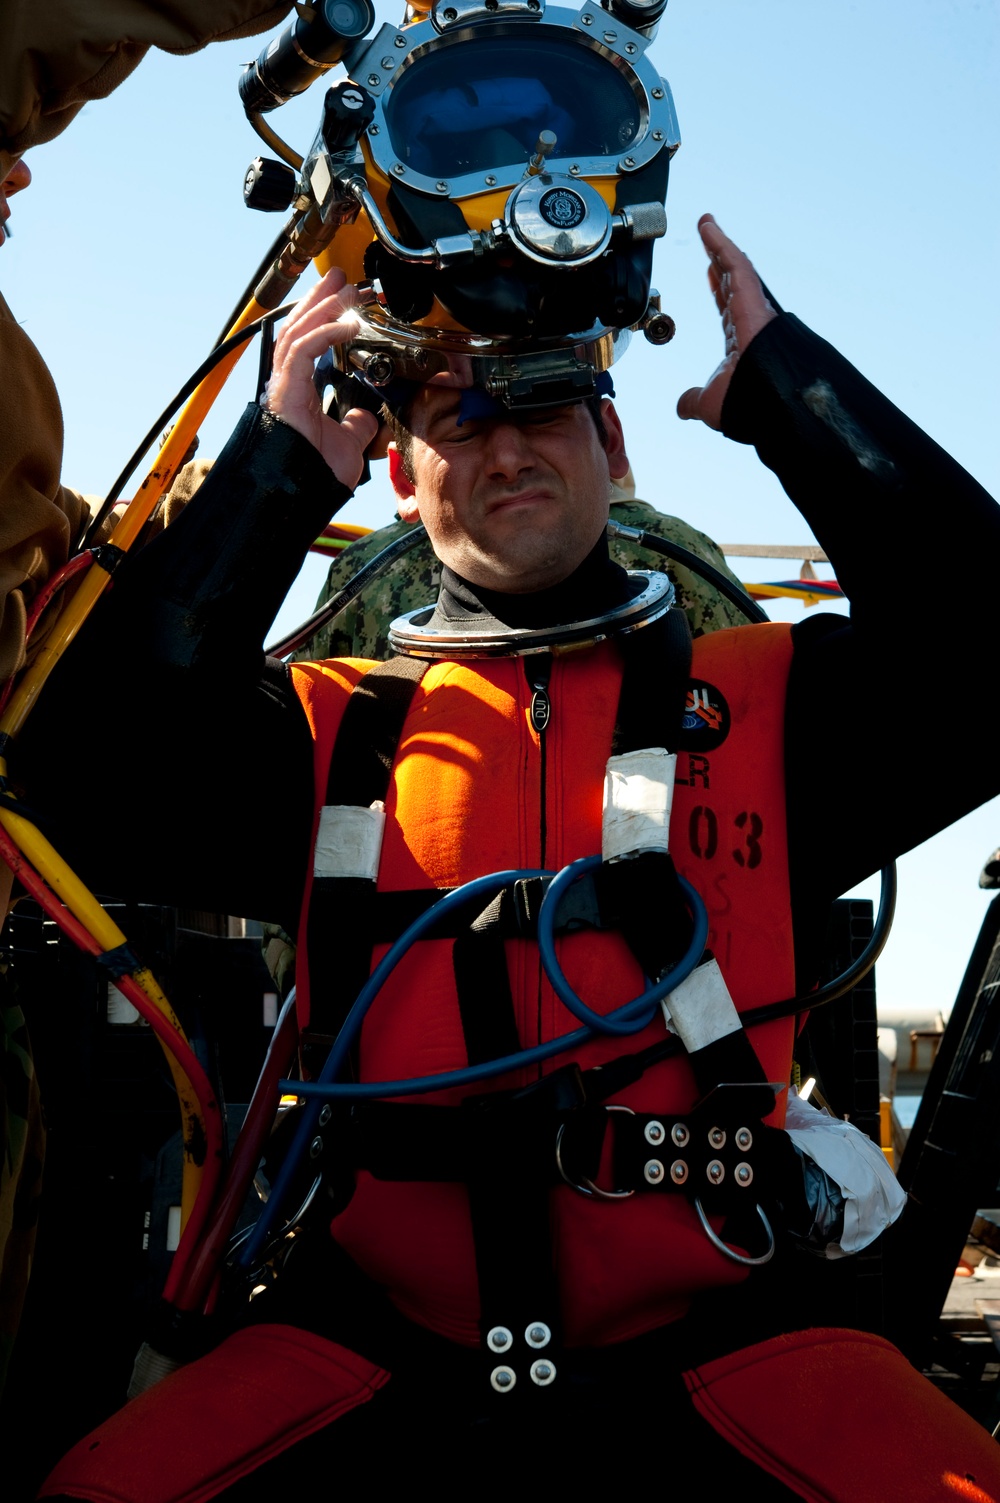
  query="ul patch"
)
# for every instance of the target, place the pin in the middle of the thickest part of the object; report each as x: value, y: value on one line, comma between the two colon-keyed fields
x: 705, y: 722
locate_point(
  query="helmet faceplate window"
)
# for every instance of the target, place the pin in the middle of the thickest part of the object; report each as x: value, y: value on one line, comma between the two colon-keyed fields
x: 482, y: 105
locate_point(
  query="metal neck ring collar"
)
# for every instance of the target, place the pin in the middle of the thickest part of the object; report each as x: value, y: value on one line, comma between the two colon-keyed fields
x: 411, y: 636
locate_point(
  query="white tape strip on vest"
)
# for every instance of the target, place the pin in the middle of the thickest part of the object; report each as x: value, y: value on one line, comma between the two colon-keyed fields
x: 349, y: 841
x: 701, y: 1010
x: 638, y: 791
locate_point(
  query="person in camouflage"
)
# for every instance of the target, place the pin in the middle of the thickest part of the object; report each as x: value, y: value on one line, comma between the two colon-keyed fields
x: 361, y: 630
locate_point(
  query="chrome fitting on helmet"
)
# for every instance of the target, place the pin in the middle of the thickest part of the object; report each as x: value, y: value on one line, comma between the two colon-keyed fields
x: 386, y: 352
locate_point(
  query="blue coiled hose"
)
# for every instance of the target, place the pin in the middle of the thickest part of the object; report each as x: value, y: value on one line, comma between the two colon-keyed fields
x: 630, y: 1018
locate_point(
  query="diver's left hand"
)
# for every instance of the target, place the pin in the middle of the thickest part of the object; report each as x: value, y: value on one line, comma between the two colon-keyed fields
x: 322, y: 318
x: 745, y: 310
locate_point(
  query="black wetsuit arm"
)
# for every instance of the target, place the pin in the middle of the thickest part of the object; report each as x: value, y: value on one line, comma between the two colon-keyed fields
x: 866, y: 724
x: 208, y: 789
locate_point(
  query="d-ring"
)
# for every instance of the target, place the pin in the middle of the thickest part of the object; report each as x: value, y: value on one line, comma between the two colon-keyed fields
x: 730, y: 1252
x: 587, y: 1187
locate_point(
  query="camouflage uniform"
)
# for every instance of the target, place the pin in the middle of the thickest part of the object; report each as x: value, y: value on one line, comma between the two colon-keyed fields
x: 361, y: 631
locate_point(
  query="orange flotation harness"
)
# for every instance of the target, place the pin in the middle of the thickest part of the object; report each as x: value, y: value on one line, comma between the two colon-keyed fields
x: 475, y: 786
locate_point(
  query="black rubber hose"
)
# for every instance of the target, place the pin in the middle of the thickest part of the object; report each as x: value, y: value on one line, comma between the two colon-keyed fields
x: 343, y: 598
x: 733, y: 593
x: 190, y: 385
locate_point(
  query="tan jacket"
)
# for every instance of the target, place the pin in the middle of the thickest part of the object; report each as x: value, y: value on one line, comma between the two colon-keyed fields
x: 55, y: 55
x: 39, y: 518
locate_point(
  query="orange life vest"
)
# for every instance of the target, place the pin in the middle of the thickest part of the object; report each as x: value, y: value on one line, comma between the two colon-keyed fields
x: 466, y: 799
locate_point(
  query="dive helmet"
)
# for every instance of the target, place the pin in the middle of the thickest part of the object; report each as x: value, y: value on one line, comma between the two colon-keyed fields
x: 491, y: 175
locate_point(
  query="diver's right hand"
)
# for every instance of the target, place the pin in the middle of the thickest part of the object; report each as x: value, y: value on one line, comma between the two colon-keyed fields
x: 322, y: 318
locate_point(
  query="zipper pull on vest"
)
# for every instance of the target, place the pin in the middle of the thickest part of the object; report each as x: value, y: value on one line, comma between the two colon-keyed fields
x: 538, y: 671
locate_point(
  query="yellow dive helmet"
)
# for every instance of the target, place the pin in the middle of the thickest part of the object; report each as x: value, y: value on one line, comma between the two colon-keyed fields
x: 492, y: 175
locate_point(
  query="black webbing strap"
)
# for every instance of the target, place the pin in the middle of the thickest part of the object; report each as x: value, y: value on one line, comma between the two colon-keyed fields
x: 483, y: 984
x: 515, y: 1268
x: 508, y: 1200
x: 405, y: 1140
x: 730, y: 1058
x: 655, y: 921
x: 644, y: 889
x: 369, y: 733
x: 654, y: 684
x: 584, y: 905
x: 359, y: 773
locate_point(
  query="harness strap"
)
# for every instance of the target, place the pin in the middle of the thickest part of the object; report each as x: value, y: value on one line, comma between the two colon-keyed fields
x: 654, y: 684
x: 484, y: 999
x: 360, y: 769
x: 510, y: 1214
x: 595, y: 901
x: 554, y: 1131
x: 654, y: 919
x: 518, y: 1293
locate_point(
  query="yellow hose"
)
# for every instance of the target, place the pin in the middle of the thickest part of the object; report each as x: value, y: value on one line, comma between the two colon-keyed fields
x: 85, y: 907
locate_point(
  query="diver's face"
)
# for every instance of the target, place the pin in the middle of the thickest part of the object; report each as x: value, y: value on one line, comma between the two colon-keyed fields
x: 17, y: 178
x: 513, y: 503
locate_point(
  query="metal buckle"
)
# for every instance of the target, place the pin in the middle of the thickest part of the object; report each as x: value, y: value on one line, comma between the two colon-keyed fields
x: 730, y: 1252
x: 587, y: 1187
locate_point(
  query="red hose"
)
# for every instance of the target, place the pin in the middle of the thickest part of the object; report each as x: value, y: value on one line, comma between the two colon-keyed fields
x: 62, y: 576
x: 165, y: 1032
x: 192, y: 1287
x: 79, y: 562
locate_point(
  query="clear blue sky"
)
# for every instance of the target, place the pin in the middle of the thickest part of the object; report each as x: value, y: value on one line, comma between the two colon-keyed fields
x: 851, y: 148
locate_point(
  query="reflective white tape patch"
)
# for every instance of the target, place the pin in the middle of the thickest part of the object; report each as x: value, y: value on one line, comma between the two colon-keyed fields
x: 349, y: 841
x: 638, y: 790
x: 701, y: 1010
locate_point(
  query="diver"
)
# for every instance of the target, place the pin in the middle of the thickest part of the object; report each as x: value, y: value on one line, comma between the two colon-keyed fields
x: 545, y: 1274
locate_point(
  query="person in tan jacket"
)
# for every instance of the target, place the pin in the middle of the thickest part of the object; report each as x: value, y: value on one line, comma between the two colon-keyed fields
x: 54, y: 58
x: 39, y: 518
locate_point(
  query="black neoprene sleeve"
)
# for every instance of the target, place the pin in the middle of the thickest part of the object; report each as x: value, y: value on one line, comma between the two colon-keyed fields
x: 170, y: 760
x: 875, y: 762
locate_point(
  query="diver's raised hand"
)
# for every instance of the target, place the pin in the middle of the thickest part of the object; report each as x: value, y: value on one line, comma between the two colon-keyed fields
x: 322, y: 318
x: 740, y: 298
